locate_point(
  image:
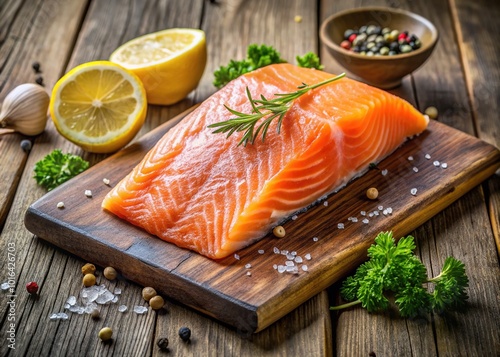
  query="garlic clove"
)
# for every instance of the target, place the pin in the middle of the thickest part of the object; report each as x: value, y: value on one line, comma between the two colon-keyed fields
x: 25, y: 109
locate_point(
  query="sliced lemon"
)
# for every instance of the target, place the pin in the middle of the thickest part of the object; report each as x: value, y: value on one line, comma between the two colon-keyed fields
x: 169, y: 63
x: 99, y: 106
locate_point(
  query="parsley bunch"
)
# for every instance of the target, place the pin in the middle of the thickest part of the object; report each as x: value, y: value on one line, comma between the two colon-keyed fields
x: 56, y: 168
x: 394, y: 268
x: 257, y: 57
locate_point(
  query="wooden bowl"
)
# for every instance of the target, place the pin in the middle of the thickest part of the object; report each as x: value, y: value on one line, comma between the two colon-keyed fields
x: 380, y: 71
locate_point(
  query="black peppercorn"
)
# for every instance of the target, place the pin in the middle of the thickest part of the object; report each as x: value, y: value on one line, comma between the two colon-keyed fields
x: 185, y: 333
x: 162, y: 343
x: 36, y: 67
x: 39, y: 80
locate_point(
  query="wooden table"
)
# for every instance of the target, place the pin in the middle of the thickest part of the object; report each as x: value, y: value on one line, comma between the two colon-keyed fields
x: 462, y: 79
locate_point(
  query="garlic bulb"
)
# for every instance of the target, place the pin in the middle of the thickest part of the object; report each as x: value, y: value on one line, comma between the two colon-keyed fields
x: 25, y: 110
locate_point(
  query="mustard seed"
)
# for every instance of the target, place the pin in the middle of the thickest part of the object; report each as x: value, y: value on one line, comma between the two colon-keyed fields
x: 279, y: 231
x: 105, y: 333
x: 88, y: 269
x: 110, y: 273
x: 372, y: 193
x: 156, y: 302
x: 89, y: 280
x: 148, y: 292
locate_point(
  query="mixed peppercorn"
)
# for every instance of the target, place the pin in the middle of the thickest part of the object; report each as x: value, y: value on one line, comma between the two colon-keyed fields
x: 374, y: 40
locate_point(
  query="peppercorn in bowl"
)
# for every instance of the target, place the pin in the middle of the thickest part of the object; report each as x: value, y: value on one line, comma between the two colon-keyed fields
x: 379, y: 45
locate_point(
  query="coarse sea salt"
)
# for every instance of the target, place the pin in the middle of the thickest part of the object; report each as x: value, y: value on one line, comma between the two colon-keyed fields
x: 315, y: 239
x: 340, y: 225
x: 236, y: 256
x: 307, y: 256
x: 261, y: 251
x: 325, y: 203
x: 4, y: 286
x: 88, y: 193
x: 249, y: 273
x: 122, y: 308
x: 276, y: 250
x: 298, y: 259
x: 140, y: 310
x: 117, y: 291
x: 410, y: 158
x: 413, y: 191
x: 105, y: 181
x: 427, y: 156
x: 290, y: 256
x: 354, y: 220
x: 281, y: 268
x: 444, y: 165
x: 71, y: 300
x: 59, y: 316
x: 415, y: 169
x: 248, y: 266
x: 60, y: 205
x: 289, y: 263
x: 294, y: 217
x: 365, y: 221
x: 436, y: 163
x: 384, y: 172
x: 304, y: 267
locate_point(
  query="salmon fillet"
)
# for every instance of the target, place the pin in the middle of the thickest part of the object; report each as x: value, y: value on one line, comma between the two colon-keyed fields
x: 203, y: 192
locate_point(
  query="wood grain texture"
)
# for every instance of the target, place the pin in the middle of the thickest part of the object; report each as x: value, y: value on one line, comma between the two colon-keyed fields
x: 221, y: 288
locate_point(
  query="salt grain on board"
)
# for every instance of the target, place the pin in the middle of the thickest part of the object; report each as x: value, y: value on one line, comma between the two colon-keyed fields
x: 427, y: 156
x: 436, y: 163
x: 315, y: 239
x: 413, y: 191
x: 384, y: 172
x: 260, y: 251
x: 340, y: 226
x: 415, y: 169
x: 444, y: 165
x: 410, y: 158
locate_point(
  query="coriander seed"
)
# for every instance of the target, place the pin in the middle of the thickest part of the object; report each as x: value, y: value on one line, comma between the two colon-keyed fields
x: 372, y: 193
x: 110, y: 273
x: 279, y: 231
x: 89, y: 280
x: 105, y: 333
x: 148, y: 293
x: 156, y: 302
x: 88, y: 269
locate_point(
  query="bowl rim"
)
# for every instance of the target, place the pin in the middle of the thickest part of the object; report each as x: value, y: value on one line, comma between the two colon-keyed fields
x: 327, y: 41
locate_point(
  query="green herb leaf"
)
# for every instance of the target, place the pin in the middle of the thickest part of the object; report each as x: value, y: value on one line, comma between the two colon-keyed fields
x: 56, y: 168
x: 263, y: 108
x: 394, y: 268
x: 309, y: 60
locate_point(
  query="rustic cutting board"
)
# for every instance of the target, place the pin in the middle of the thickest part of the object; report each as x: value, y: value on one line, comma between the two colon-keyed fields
x: 223, y: 289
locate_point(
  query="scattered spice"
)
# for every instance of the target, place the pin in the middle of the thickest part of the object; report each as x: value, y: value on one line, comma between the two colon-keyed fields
x: 110, y: 273
x: 32, y: 287
x: 89, y: 280
x: 185, y: 333
x: 431, y: 112
x: 105, y: 181
x: 60, y: 205
x: 95, y: 314
x: 105, y: 334
x: 88, y: 269
x: 148, y: 293
x: 156, y: 302
x: 372, y: 193
x: 88, y: 193
x: 26, y: 145
x: 36, y: 67
x: 162, y: 343
x: 297, y: 19
x: 39, y: 81
x: 279, y: 231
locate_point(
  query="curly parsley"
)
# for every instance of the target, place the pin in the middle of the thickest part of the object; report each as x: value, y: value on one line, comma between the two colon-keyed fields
x: 394, y: 268
x: 56, y: 168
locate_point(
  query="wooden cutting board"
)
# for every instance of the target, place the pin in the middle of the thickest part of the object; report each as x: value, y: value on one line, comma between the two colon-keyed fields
x: 224, y: 289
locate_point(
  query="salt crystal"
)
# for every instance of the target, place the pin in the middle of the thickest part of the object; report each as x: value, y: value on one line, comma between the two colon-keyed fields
x: 427, y: 156
x: 444, y: 165
x: 384, y: 172
x: 436, y: 163
x: 59, y: 316
x: 77, y: 309
x: 276, y: 250
x: 415, y: 169
x: 115, y: 300
x: 71, y: 300
x: 284, y: 252
x: 117, y: 291
x: 236, y: 256
x: 275, y: 266
x: 315, y: 239
x: 304, y: 267
x: 370, y: 214
x: 298, y: 259
x: 122, y: 308
x: 105, y: 297
x: 290, y: 269
x: 380, y: 208
x: 340, y: 226
x: 290, y: 256
x: 307, y: 256
x: 67, y: 306
x: 248, y: 266
x: 4, y: 286
x: 294, y: 253
x: 249, y: 273
x: 389, y: 210
x: 294, y: 217
x: 376, y: 213
x: 106, y: 181
x: 90, y: 307
x: 354, y: 220
x: 140, y: 309
x: 88, y: 193
x: 325, y: 203
x: 281, y: 268
x: 363, y: 213
x: 54, y: 317
x: 289, y: 263
x: 365, y: 221
x: 385, y: 213
x: 261, y: 251
x: 410, y: 158
x: 60, y: 205
x: 413, y: 191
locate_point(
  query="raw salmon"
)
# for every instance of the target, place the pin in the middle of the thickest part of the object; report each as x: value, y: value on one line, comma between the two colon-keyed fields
x: 203, y: 192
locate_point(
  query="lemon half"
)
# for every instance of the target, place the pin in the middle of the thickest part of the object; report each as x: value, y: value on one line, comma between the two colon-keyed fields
x: 99, y: 106
x: 169, y: 63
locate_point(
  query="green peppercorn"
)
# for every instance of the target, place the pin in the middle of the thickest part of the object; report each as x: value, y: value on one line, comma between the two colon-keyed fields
x: 162, y: 343
x: 384, y: 51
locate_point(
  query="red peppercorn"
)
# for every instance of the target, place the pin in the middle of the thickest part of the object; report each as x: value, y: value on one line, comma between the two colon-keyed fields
x: 402, y: 36
x: 32, y: 287
x: 345, y: 44
x: 352, y: 37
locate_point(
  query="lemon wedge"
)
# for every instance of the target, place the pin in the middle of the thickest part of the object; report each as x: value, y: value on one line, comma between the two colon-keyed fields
x: 169, y: 63
x: 99, y: 106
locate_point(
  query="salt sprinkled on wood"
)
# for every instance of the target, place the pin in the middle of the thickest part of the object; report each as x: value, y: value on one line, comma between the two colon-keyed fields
x: 260, y: 251
x: 105, y: 181
x: 325, y: 203
x: 354, y: 220
x: 249, y: 273
x: 444, y: 165
x: 384, y: 172
x: 340, y: 226
x: 315, y: 239
x: 380, y: 208
x: 410, y: 158
x: 88, y: 193
x: 427, y: 156
x: 365, y: 221
x: 281, y: 268
x: 307, y: 256
x: 60, y: 205
x: 236, y: 256
x: 415, y: 168
x: 294, y: 217
x: 436, y: 163
x: 413, y: 191
x: 363, y: 213
x: 304, y: 267
x: 276, y: 250
x: 248, y: 266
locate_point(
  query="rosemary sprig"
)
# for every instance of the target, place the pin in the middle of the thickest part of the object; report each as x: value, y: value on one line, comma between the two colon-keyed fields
x: 269, y: 109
